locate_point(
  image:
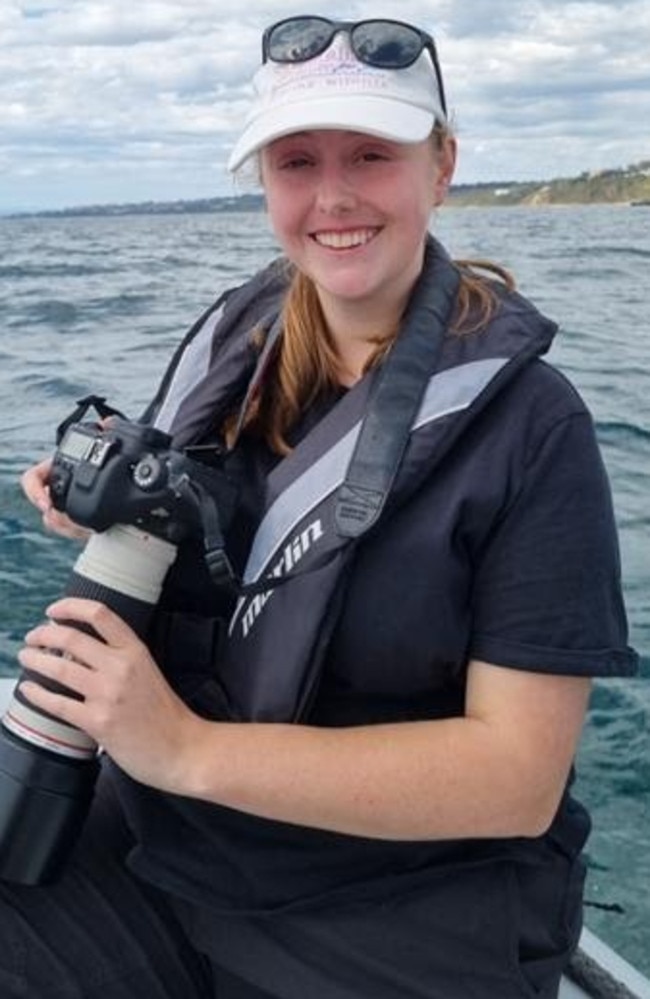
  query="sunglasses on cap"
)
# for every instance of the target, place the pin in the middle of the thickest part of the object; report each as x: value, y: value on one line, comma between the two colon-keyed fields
x: 382, y: 43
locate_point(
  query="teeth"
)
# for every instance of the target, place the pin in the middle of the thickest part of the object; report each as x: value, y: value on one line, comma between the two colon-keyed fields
x: 345, y: 240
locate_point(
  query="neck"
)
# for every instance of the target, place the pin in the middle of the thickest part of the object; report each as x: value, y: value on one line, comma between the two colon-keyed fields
x: 357, y: 329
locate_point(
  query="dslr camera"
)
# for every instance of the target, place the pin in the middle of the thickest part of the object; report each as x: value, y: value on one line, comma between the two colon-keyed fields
x: 141, y: 498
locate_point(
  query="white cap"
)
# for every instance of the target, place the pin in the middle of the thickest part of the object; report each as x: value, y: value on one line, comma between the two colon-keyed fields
x: 336, y: 91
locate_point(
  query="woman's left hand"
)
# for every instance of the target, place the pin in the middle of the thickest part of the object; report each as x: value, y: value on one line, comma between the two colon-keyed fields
x: 128, y: 707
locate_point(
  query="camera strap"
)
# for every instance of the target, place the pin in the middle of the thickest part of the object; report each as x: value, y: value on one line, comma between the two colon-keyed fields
x: 214, y: 545
x: 98, y: 402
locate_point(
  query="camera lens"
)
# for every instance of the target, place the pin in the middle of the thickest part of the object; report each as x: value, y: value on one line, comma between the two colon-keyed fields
x: 48, y: 768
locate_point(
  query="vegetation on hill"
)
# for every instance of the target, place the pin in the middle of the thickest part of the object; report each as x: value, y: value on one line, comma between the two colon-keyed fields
x: 628, y: 185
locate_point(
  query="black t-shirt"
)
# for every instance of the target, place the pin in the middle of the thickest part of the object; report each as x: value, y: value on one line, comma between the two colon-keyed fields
x: 507, y: 554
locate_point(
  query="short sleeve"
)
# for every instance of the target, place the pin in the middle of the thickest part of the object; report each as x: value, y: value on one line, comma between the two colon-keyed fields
x: 547, y: 594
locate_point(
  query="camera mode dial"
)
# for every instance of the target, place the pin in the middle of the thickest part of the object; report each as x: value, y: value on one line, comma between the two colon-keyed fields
x: 149, y: 473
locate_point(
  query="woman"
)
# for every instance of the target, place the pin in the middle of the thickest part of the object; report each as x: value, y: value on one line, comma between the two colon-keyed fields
x: 365, y: 792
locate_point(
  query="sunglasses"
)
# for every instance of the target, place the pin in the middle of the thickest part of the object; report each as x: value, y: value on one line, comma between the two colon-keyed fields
x: 382, y: 43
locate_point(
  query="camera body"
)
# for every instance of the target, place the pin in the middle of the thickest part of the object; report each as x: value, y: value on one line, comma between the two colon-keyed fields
x: 127, y: 473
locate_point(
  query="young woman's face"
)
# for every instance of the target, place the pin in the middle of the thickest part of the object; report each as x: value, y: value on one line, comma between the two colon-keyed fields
x: 352, y: 211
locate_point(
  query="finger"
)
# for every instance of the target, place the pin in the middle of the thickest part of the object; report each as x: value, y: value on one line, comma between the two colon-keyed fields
x: 105, y: 622
x: 69, y: 673
x: 64, y: 708
x: 57, y: 522
x: 66, y: 641
x: 34, y: 484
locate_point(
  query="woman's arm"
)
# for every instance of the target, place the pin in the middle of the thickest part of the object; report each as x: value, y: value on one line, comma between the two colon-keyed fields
x: 498, y: 771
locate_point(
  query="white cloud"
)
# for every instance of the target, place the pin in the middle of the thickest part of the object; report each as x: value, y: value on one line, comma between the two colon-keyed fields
x: 115, y: 100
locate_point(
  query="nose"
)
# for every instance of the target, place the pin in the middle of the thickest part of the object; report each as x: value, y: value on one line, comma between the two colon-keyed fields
x: 336, y: 194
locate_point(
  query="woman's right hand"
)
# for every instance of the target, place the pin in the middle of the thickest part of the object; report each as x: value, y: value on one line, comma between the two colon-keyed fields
x: 34, y: 483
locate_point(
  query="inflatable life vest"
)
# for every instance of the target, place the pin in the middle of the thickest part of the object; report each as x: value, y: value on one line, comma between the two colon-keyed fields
x: 365, y: 457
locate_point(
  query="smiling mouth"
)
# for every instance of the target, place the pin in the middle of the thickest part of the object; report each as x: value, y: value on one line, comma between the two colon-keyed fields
x: 347, y: 240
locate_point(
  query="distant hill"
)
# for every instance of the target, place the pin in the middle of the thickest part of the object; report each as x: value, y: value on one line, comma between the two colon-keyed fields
x: 628, y: 185
x: 197, y: 206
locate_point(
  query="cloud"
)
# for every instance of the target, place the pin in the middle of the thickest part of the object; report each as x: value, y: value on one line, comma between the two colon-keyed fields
x: 552, y: 89
x: 114, y: 100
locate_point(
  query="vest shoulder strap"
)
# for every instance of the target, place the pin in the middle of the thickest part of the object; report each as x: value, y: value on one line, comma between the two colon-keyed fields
x: 396, y: 397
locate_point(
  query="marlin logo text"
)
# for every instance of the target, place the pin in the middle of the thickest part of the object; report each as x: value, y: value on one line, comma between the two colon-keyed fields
x: 291, y: 555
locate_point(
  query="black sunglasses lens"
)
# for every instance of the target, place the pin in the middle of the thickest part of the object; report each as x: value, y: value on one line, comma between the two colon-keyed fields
x: 298, y: 39
x: 386, y: 45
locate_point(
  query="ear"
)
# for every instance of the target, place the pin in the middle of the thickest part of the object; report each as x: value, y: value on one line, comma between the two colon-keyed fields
x: 446, y: 166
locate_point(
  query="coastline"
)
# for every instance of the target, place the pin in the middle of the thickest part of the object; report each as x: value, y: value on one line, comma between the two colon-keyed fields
x: 627, y: 187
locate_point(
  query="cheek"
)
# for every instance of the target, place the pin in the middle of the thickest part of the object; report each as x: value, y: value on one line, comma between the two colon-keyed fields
x: 418, y: 194
x: 417, y: 209
x: 283, y: 212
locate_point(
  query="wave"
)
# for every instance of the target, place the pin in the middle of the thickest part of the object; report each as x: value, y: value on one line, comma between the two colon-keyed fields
x: 59, y: 270
x: 613, y: 431
x: 618, y: 251
x: 53, y: 311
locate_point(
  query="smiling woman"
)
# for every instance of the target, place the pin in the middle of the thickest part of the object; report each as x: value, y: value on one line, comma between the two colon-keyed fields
x: 351, y: 211
x: 364, y: 744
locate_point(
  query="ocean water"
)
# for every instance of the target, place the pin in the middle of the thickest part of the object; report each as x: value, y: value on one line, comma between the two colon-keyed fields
x: 98, y: 304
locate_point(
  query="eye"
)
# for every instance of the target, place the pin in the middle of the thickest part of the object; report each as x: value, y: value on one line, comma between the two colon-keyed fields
x: 289, y: 154
x: 295, y: 161
x: 375, y: 153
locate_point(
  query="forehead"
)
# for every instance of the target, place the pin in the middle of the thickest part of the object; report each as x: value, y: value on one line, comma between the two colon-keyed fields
x: 329, y: 137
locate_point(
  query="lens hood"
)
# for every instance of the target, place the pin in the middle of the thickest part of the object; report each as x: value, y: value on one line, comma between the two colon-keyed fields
x: 44, y: 800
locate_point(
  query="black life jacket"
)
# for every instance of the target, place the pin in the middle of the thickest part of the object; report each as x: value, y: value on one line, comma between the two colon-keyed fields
x: 347, y: 474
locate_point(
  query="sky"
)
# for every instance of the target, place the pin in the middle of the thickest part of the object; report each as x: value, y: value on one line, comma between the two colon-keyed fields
x: 113, y: 101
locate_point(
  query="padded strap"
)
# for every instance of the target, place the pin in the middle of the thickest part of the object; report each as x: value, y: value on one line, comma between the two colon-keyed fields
x: 396, y: 396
